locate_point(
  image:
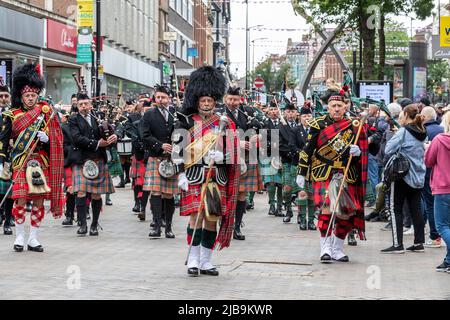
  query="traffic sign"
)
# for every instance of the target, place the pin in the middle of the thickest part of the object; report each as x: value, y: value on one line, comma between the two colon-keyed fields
x: 259, y: 83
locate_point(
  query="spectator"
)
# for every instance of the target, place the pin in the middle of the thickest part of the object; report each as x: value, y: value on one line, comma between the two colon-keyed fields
x: 410, y: 140
x: 439, y: 107
x: 437, y: 157
x: 433, y: 129
x: 404, y: 102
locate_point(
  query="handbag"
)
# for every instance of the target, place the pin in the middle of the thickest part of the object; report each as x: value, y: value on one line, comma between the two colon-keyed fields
x: 397, y: 166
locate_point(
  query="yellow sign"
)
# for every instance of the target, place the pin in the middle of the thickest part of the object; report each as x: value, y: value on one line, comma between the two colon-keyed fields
x: 85, y: 13
x: 444, y: 33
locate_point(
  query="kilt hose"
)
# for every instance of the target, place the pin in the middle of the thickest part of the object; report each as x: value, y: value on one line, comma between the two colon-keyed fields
x: 155, y: 183
x: 103, y: 184
x: 115, y: 165
x: 290, y: 176
x: 251, y: 180
x: 4, y: 186
x: 137, y: 171
x: 20, y: 187
x: 269, y: 174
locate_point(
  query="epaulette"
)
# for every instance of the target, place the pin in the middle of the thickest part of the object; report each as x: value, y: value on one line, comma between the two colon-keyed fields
x: 315, y: 122
x: 8, y: 113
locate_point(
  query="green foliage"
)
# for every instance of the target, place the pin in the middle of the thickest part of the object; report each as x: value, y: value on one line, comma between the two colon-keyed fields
x: 273, y: 76
x: 438, y: 72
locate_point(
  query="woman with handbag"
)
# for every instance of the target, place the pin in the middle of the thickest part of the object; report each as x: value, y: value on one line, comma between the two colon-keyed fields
x: 407, y: 143
x: 437, y: 157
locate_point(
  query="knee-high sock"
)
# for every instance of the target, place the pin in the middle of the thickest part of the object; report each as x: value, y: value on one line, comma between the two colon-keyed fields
x: 302, y: 207
x: 9, y: 204
x: 196, y: 240
x: 169, y: 209
x: 126, y: 170
x: 18, y: 213
x: 81, y: 204
x: 251, y: 196
x: 37, y: 215
x: 240, y: 210
x: 145, y: 195
x: 70, y: 205
x: 156, y: 206
x: 279, y: 195
x: 287, y: 197
x: 271, y: 189
x: 208, y: 238
x: 96, y: 209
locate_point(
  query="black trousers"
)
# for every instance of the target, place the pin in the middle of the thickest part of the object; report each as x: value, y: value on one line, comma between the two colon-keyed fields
x: 403, y: 192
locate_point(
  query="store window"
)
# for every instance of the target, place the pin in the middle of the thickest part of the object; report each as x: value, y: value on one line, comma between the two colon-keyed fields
x: 60, y: 84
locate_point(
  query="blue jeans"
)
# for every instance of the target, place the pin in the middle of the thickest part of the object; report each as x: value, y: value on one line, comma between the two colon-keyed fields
x: 373, y: 173
x: 442, y: 219
x: 428, y: 205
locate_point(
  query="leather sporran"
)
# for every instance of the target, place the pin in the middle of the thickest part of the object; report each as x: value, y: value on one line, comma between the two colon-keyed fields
x: 90, y: 170
x: 6, y: 174
x: 37, y: 183
x: 212, y: 202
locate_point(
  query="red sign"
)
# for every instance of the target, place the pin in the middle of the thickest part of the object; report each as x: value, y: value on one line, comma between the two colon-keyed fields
x: 62, y: 37
x: 259, y: 82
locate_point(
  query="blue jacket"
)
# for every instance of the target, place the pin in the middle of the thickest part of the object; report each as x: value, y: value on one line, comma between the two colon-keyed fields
x: 413, y: 149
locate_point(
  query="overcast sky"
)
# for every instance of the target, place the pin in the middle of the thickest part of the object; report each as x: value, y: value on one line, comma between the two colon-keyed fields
x: 274, y: 14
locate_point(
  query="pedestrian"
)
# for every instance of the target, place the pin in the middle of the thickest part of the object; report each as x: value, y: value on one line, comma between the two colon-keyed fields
x: 433, y: 129
x: 437, y: 157
x: 409, y: 140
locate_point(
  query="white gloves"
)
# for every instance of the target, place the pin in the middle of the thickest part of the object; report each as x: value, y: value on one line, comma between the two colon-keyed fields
x: 217, y: 156
x: 42, y: 136
x: 355, y: 150
x: 183, y: 182
x: 300, y: 181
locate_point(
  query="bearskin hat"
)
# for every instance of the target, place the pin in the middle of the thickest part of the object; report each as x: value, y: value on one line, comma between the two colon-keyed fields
x: 27, y: 76
x: 163, y: 89
x: 234, y: 91
x: 204, y: 82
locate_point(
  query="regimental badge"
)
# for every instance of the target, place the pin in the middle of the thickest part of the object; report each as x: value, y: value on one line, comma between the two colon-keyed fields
x: 355, y: 123
x: 45, y: 109
x: 21, y: 146
x: 27, y: 136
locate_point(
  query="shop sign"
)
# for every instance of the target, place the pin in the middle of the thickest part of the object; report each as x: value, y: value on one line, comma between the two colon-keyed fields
x: 61, y: 37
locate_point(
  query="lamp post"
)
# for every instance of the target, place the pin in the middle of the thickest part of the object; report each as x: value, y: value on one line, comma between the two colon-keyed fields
x: 354, y: 48
x: 253, y: 44
x: 247, y: 48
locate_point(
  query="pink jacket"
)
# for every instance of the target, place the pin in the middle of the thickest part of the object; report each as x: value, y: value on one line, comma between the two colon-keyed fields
x: 437, y: 157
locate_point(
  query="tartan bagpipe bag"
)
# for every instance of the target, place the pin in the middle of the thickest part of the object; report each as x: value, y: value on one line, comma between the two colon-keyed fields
x: 397, y: 166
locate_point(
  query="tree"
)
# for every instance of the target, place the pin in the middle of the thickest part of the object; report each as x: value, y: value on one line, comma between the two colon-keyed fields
x: 438, y: 72
x: 274, y: 75
x: 367, y: 16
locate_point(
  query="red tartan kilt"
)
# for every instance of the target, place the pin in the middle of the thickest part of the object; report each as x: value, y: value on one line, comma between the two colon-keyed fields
x: 251, y: 181
x: 320, y: 187
x: 137, y: 171
x: 68, y: 181
x: 20, y: 187
x: 190, y: 200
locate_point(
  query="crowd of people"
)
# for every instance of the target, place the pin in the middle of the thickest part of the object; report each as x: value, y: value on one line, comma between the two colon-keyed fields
x: 210, y: 150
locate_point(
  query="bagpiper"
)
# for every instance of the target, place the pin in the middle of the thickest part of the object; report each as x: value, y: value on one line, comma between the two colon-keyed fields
x: 208, y: 181
x: 335, y: 157
x: 37, y: 156
x: 5, y: 177
x: 160, y: 176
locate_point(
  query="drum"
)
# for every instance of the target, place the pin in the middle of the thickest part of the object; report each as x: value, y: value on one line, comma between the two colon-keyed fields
x: 124, y: 147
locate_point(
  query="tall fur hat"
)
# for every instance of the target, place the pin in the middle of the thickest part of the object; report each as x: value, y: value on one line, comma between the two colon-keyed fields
x: 26, y: 78
x: 204, y: 82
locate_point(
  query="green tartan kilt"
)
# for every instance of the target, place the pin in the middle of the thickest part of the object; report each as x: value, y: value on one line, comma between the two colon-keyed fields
x: 290, y: 177
x: 114, y: 165
x: 269, y: 174
x: 4, y: 186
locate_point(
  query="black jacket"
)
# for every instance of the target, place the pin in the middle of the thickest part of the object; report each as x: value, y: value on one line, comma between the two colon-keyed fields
x: 156, y: 131
x: 298, y: 143
x: 286, y: 143
x: 86, y: 139
x: 69, y: 148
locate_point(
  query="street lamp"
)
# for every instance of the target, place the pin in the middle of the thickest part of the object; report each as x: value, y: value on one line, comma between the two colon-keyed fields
x: 253, y: 44
x: 354, y: 48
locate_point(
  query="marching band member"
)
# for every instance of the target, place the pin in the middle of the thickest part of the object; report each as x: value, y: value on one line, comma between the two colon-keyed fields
x: 37, y: 155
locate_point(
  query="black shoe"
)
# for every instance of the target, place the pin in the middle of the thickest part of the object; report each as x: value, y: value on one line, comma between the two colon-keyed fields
x: 443, y: 267
x: 193, y: 272
x: 11, y: 224
x: 279, y: 212
x: 250, y: 205
x: 351, y: 240
x: 416, y: 248
x: 343, y: 259
x: 121, y: 185
x: 287, y: 219
x: 68, y: 222
x: 302, y: 226
x: 137, y: 207
x: 152, y: 225
x: 141, y: 216
x: 127, y: 181
x: 18, y: 248
x: 93, y: 231
x: 88, y: 216
x: 7, y: 231
x: 289, y: 215
x: 36, y: 249
x: 311, y: 225
x: 169, y: 233
x: 155, y: 233
x: 210, y: 272
x: 326, y: 258
x: 237, y: 235
x: 272, y: 210
x: 108, y: 202
x: 395, y: 250
x: 82, y: 231
x: 371, y: 215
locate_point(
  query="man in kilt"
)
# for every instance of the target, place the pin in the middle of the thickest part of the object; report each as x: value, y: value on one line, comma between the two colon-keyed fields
x: 271, y: 175
x: 158, y: 126
x: 250, y: 181
x: 287, y: 154
x: 323, y: 160
x: 68, y: 174
x: 204, y: 146
x: 5, y: 177
x: 90, y: 170
x: 305, y: 200
x: 34, y: 127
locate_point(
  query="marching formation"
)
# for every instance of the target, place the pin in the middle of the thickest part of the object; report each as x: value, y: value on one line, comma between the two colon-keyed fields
x: 207, y: 150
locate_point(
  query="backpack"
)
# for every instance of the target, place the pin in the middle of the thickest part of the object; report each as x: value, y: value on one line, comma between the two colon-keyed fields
x: 397, y: 166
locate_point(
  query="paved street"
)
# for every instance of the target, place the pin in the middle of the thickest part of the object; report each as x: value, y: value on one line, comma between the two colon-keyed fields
x: 277, y: 261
